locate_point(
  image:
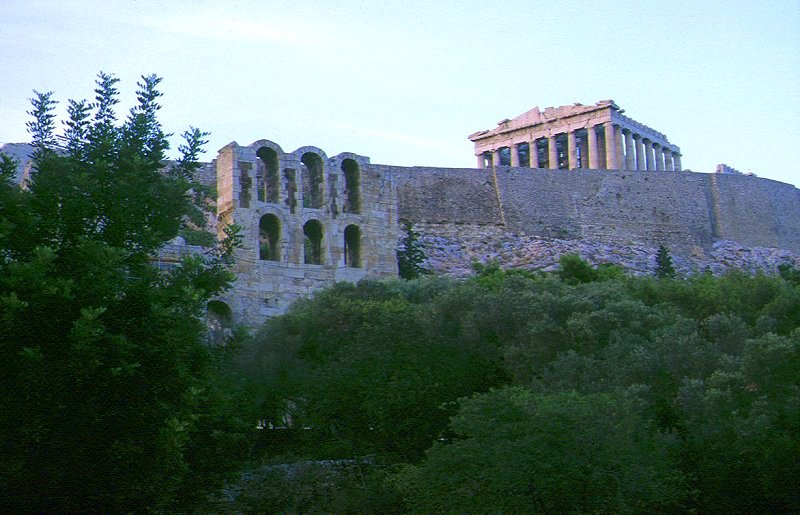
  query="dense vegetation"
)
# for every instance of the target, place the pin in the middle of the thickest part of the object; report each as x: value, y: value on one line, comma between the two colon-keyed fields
x: 109, y: 398
x: 581, y: 391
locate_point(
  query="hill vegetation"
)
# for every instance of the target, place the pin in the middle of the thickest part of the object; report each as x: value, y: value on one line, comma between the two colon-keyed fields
x: 580, y: 391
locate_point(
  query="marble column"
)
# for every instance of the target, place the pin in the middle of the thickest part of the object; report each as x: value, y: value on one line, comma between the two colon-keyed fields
x: 630, y: 157
x: 620, y: 147
x: 572, y: 150
x: 648, y: 153
x: 591, y: 132
x: 534, y: 153
x: 552, y: 153
x: 658, y: 150
x: 641, y: 164
x: 496, y: 157
x: 480, y: 160
x: 668, y: 160
x: 611, y: 147
x: 583, y: 148
x: 514, y: 151
x: 677, y: 157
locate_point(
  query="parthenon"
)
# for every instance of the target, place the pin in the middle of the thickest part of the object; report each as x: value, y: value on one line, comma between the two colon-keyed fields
x: 576, y: 136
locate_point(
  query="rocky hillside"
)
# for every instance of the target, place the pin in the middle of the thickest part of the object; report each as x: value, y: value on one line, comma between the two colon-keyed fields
x: 451, y: 249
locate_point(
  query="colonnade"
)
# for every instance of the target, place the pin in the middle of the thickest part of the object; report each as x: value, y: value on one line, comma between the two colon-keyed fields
x: 604, y: 146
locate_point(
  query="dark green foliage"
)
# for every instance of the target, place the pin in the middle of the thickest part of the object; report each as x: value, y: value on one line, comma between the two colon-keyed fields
x: 109, y: 401
x: 574, y: 270
x: 366, y: 368
x: 410, y: 256
x: 617, y: 394
x: 518, y: 452
x: 789, y: 273
x: 664, y: 268
x: 322, y: 486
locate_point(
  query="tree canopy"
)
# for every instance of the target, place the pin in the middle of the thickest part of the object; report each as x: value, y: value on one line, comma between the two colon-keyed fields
x: 580, y: 391
x: 106, y: 386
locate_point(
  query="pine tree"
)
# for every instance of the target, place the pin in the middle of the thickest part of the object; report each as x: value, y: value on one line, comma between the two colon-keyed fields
x: 410, y: 256
x: 664, y: 268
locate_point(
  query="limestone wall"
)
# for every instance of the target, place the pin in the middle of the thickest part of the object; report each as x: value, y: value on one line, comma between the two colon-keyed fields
x: 756, y: 211
x: 683, y: 210
x: 297, y: 190
x: 460, y: 195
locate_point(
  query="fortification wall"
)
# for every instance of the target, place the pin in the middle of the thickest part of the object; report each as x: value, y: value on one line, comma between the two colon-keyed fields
x: 755, y: 211
x: 687, y: 211
x: 457, y: 195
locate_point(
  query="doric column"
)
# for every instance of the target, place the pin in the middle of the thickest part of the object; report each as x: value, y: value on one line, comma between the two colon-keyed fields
x: 496, y: 157
x: 592, y: 134
x: 552, y: 153
x: 648, y: 155
x: 514, y: 151
x: 659, y: 156
x: 677, y: 157
x: 668, y: 159
x: 583, y: 150
x: 572, y: 150
x: 611, y: 147
x: 620, y: 147
x: 630, y: 158
x: 480, y: 160
x: 533, y: 150
x: 641, y: 164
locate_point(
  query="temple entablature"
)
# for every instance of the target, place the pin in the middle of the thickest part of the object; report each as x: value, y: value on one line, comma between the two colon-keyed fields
x: 576, y: 136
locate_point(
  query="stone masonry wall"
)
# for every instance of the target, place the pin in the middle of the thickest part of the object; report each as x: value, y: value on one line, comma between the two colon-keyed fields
x: 268, y: 285
x: 687, y: 211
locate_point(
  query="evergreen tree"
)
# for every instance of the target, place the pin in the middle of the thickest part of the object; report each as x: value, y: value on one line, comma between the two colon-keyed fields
x: 106, y: 387
x: 410, y: 256
x: 664, y: 268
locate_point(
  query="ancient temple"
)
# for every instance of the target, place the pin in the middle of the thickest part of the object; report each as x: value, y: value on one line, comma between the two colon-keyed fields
x: 576, y: 136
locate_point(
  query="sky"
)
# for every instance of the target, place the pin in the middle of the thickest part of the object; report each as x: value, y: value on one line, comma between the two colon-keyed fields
x: 405, y: 82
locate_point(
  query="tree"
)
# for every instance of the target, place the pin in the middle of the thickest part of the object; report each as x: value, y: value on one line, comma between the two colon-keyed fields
x: 519, y: 452
x: 367, y: 371
x: 410, y: 256
x: 573, y: 269
x: 106, y: 387
x: 664, y: 268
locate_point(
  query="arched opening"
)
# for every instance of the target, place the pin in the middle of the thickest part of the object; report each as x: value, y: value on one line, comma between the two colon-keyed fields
x: 219, y: 319
x: 268, y: 175
x: 352, y: 186
x: 352, y: 246
x: 312, y: 243
x: 269, y: 238
x: 312, y: 180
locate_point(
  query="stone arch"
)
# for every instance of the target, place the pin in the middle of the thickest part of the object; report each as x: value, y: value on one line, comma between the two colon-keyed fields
x: 352, y: 186
x: 313, y: 173
x: 219, y: 320
x: 312, y: 242
x: 352, y: 246
x: 269, y: 238
x: 268, y: 175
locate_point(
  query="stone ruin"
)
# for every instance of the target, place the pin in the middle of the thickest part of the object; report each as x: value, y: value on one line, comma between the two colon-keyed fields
x: 597, y: 137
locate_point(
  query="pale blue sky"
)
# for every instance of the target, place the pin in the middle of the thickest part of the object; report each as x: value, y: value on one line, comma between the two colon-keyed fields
x: 405, y: 82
